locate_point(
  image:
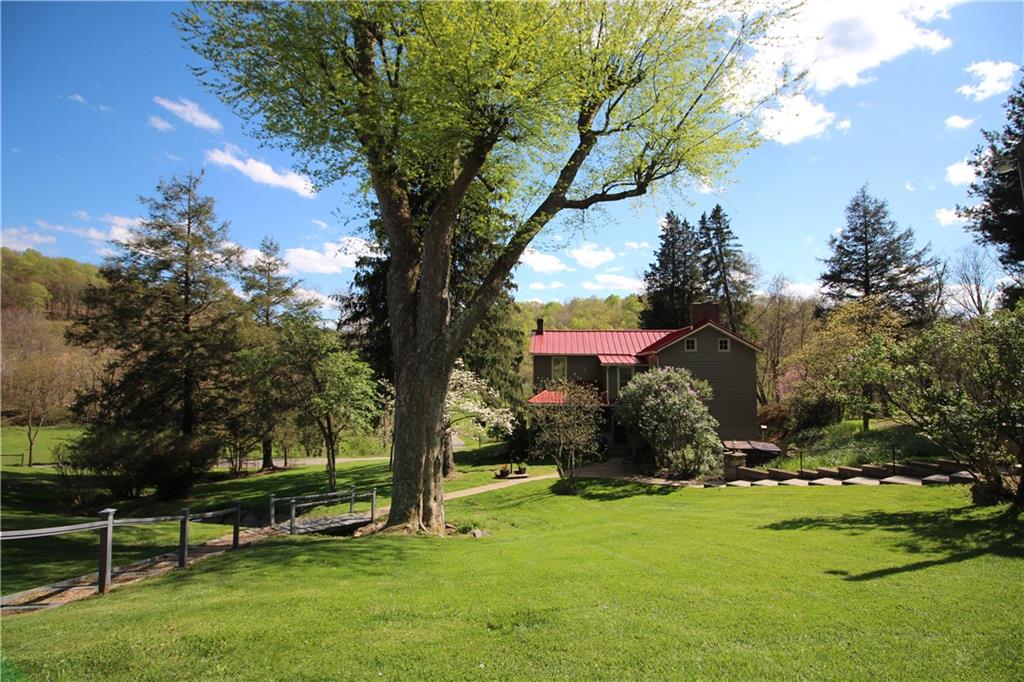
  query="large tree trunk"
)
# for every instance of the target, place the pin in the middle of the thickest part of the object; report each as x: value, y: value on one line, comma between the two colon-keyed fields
x: 448, y: 459
x: 268, y: 453
x: 417, y: 498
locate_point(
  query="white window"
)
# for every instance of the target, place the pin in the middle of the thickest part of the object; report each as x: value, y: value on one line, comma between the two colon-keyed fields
x: 723, y: 345
x: 558, y: 367
x: 690, y: 344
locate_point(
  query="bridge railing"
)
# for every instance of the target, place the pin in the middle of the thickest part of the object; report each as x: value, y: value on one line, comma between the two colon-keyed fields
x: 322, y: 499
x: 106, y: 526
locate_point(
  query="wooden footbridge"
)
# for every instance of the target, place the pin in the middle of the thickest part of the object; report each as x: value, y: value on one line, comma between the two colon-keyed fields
x: 328, y: 524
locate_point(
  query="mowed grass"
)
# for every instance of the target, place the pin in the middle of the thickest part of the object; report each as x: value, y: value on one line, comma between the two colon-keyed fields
x: 621, y: 582
x: 14, y: 441
x: 35, y: 498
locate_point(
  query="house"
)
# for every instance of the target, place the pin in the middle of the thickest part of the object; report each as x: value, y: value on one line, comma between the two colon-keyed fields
x: 610, y: 358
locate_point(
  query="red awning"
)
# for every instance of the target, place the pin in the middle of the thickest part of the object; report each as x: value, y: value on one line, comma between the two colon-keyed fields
x: 619, y: 360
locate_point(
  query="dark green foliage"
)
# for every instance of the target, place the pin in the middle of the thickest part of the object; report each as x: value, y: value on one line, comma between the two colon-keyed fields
x: 168, y: 321
x: 675, y: 279
x: 872, y: 257
x: 997, y: 214
x: 32, y: 281
x: 728, y: 275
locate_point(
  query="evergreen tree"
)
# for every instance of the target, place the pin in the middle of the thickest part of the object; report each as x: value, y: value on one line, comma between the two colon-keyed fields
x: 872, y: 257
x: 169, y: 321
x: 997, y: 218
x: 271, y: 295
x: 727, y: 273
x: 675, y: 279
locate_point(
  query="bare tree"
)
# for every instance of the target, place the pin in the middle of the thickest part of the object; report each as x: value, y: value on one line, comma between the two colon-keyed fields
x: 974, y: 273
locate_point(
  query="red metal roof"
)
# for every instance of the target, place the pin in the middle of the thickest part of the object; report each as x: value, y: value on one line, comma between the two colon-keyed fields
x: 547, y: 397
x: 595, y: 342
x: 618, y: 360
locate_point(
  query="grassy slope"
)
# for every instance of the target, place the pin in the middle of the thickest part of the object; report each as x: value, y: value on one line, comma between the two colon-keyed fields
x: 32, y: 498
x: 844, y: 444
x: 14, y: 440
x: 622, y: 582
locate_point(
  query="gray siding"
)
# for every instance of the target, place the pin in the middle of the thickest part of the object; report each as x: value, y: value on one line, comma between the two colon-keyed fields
x: 580, y: 367
x: 733, y: 379
x: 541, y: 370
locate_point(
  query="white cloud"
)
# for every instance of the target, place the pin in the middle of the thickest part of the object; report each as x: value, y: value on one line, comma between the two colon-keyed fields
x: 90, y: 233
x: 260, y: 172
x: 638, y: 245
x: 795, y: 118
x: 845, y: 124
x: 21, y: 238
x: 327, y: 305
x: 159, y: 124
x: 606, y: 282
x: 104, y: 108
x: 947, y: 216
x: 78, y: 99
x: 541, y: 286
x: 993, y: 78
x: 544, y: 263
x: 189, y: 112
x: 172, y: 157
x: 803, y: 289
x: 808, y: 239
x: 615, y: 269
x: 80, y: 215
x: 121, y: 227
x: 319, y: 223
x: 591, y: 255
x: 909, y: 186
x: 249, y: 254
x: 960, y: 173
x: 958, y: 122
x: 332, y: 258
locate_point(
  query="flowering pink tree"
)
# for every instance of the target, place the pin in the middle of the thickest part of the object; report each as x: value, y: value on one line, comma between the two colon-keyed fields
x: 669, y: 408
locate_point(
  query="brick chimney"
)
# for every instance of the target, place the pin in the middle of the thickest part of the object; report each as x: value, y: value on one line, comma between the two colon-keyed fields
x: 540, y: 326
x: 704, y: 311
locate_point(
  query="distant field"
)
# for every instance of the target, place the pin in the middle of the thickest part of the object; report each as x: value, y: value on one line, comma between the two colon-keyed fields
x: 14, y: 441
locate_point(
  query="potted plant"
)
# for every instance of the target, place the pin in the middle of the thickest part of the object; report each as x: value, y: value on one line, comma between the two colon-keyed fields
x: 521, y: 469
x: 503, y: 471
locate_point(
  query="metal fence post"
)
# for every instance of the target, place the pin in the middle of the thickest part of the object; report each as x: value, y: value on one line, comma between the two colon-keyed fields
x: 183, y: 540
x: 238, y: 521
x: 291, y: 524
x: 352, y: 500
x: 106, y: 551
x: 373, y: 504
x: 273, y: 503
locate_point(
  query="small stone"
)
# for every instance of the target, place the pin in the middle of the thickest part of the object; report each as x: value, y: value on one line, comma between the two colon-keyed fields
x: 478, y: 532
x: 901, y: 480
x: 766, y: 483
x: 935, y: 479
x: 795, y: 483
x: 738, y: 484
x: 826, y: 481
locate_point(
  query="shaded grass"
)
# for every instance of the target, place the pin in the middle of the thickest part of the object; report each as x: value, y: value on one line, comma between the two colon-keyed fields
x: 14, y: 441
x: 845, y: 444
x: 849, y: 583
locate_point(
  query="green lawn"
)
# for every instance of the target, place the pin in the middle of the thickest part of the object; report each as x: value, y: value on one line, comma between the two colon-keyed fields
x: 845, y: 444
x: 14, y: 441
x: 622, y: 582
x: 34, y: 498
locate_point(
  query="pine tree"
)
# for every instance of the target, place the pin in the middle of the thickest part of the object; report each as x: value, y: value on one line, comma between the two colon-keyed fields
x: 872, y: 257
x: 997, y: 218
x: 271, y: 296
x: 169, y: 322
x: 728, y: 275
x: 674, y: 280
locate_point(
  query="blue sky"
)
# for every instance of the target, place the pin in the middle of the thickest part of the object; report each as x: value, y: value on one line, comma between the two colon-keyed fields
x: 98, y: 103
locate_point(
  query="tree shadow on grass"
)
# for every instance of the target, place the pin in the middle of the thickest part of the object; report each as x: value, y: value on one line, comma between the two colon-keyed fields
x: 607, y: 490
x: 955, y: 534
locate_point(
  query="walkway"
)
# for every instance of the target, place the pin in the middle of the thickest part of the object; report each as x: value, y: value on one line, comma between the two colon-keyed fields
x: 65, y: 591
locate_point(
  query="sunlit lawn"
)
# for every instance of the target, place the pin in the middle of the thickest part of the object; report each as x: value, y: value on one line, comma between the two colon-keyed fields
x: 622, y: 582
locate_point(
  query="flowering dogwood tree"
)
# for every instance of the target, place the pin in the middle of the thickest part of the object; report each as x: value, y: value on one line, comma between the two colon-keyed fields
x: 470, y: 397
x: 668, y: 407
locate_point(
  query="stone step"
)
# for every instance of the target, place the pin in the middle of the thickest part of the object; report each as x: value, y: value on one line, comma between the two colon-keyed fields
x: 751, y: 474
x: 765, y: 483
x: 935, y: 479
x: 963, y: 477
x: 949, y: 466
x: 738, y: 484
x: 905, y: 470
x: 826, y: 481
x: 901, y: 480
x: 860, y: 480
x: 876, y: 471
x: 808, y: 474
x: 795, y: 482
x: 782, y: 474
x: 931, y: 467
x: 828, y: 472
x: 850, y: 472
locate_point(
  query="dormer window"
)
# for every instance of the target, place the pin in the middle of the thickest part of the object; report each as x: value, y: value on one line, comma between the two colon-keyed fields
x: 690, y: 344
x: 723, y: 345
